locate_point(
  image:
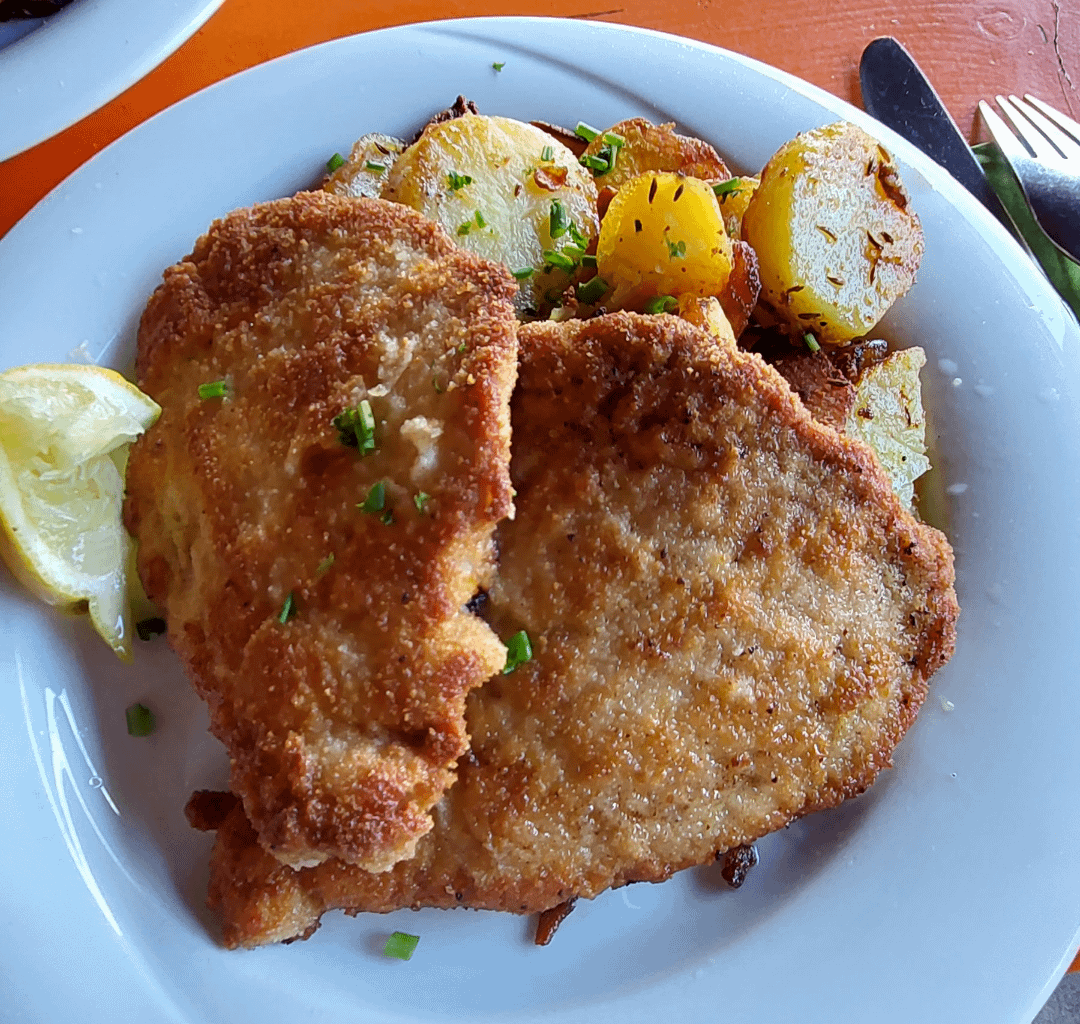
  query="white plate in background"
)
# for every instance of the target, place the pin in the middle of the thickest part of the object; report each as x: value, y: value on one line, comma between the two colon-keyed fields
x: 78, y: 59
x: 949, y: 892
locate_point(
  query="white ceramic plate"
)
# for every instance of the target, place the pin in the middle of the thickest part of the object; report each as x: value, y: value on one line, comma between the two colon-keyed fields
x: 80, y: 58
x: 949, y: 892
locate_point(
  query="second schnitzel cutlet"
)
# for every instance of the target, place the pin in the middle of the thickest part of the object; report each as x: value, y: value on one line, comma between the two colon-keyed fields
x: 733, y: 623
x: 316, y: 504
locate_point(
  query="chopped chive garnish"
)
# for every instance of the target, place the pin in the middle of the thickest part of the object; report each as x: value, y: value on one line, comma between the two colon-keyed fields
x: 375, y: 500
x: 676, y: 250
x: 436, y: 385
x: 336, y: 161
x: 149, y: 628
x: 547, y: 153
x: 288, y: 609
x: 480, y: 222
x: 609, y: 154
x: 518, y: 651
x: 588, y: 261
x: 457, y: 181
x: 215, y: 389
x: 356, y: 427
x: 577, y: 236
x: 662, y: 304
x: 557, y: 259
x: 387, y: 518
x: 592, y: 290
x: 524, y: 273
x: 559, y: 220
x: 498, y: 67
x: 464, y: 229
x: 614, y: 140
x: 140, y: 720
x: 596, y: 164
x: 811, y: 342
x: 401, y: 945
x: 724, y: 188
x: 324, y: 565
x: 586, y: 132
x: 574, y: 251
x: 420, y: 501
x: 371, y: 165
x: 461, y: 348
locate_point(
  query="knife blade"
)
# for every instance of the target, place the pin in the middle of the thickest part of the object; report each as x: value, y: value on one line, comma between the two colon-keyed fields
x: 897, y: 93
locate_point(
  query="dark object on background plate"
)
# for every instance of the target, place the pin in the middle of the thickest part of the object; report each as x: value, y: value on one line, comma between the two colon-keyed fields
x: 737, y: 864
x: 10, y: 10
x: 550, y: 919
x: 897, y: 93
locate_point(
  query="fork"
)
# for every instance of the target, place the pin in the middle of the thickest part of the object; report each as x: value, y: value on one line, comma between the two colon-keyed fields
x: 1048, y: 167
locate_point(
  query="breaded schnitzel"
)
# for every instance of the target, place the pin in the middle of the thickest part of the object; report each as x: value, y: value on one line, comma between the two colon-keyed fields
x: 733, y: 622
x: 314, y: 534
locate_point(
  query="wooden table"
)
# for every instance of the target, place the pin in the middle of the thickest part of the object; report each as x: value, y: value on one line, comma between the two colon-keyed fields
x: 971, y: 49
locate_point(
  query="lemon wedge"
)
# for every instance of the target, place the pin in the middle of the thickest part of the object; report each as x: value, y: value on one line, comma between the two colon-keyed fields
x: 64, y: 431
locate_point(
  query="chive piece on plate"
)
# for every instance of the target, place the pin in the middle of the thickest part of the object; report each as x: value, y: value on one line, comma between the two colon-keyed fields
x: 586, y: 132
x: 662, y: 304
x: 401, y: 945
x: 140, y: 720
x: 336, y: 161
x: 375, y: 500
x: 288, y: 609
x: 811, y: 342
x: 215, y: 389
x: 518, y: 651
x: 724, y: 188
x: 592, y: 291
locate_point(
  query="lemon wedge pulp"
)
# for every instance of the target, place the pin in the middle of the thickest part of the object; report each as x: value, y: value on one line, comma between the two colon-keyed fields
x: 63, y: 436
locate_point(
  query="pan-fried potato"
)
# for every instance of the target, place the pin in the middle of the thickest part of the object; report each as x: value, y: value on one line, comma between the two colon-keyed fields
x: 888, y: 415
x: 663, y: 235
x: 709, y: 315
x: 836, y: 242
x: 365, y: 172
x: 486, y: 180
x: 652, y: 147
x: 735, y: 200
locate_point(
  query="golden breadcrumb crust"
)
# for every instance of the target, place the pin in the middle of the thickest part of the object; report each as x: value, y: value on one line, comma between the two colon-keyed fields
x: 733, y: 623
x: 344, y: 722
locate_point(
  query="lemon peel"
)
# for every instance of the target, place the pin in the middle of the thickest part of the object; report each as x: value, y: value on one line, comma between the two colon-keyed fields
x: 64, y: 429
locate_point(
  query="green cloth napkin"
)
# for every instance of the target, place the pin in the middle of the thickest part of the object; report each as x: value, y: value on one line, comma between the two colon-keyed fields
x: 1064, y: 274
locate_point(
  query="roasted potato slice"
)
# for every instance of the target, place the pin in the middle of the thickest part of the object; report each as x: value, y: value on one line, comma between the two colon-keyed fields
x: 650, y: 147
x: 888, y: 415
x: 740, y: 294
x: 734, y: 196
x: 707, y: 314
x: 662, y: 235
x: 835, y: 239
x: 364, y: 172
x: 507, y: 191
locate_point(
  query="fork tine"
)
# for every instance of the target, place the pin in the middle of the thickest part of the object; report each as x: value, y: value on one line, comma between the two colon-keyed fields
x: 1066, y: 124
x: 1035, y: 139
x: 1008, y: 143
x: 1070, y: 149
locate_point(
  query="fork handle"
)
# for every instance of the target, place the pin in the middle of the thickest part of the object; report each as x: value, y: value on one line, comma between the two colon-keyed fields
x: 1058, y: 205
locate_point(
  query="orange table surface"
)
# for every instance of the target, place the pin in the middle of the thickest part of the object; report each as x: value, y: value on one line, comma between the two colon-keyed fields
x: 970, y: 48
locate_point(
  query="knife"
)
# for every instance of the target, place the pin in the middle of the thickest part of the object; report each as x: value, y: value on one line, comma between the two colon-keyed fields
x: 897, y: 93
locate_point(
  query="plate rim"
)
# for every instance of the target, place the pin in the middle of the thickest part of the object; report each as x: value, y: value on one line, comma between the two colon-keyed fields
x: 125, y: 54
x: 954, y: 193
